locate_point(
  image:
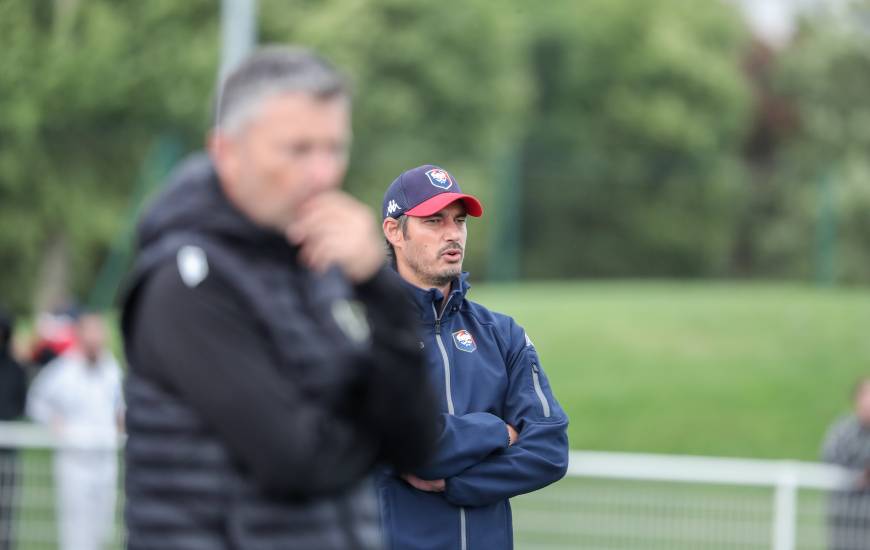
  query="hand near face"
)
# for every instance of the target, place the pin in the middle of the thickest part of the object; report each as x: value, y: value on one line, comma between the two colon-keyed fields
x: 335, y: 229
x: 430, y: 486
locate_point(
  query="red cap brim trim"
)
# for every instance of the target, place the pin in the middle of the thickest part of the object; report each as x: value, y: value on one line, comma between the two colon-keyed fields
x: 441, y: 200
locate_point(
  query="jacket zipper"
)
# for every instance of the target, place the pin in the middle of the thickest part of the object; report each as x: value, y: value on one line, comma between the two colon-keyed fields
x: 450, y: 409
x: 444, y: 359
x: 537, y: 381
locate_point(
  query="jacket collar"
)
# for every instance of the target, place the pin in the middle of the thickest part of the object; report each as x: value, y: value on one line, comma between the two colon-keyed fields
x: 429, y: 301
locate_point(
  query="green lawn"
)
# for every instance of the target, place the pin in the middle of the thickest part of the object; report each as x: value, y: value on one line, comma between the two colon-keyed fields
x: 750, y: 370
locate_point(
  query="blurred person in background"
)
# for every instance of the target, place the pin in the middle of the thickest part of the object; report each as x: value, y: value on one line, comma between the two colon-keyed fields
x: 78, y: 396
x: 13, y: 393
x: 273, y: 362
x: 502, y: 433
x: 54, y: 334
x: 847, y: 444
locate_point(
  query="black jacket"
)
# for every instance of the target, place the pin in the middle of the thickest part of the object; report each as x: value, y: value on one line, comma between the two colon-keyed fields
x: 13, y: 380
x: 260, y: 395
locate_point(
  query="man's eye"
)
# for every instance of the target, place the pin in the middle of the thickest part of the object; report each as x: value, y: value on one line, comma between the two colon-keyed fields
x: 460, y: 220
x: 339, y: 149
x: 298, y: 149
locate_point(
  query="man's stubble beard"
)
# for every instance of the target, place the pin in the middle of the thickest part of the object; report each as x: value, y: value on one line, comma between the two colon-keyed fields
x: 436, y: 280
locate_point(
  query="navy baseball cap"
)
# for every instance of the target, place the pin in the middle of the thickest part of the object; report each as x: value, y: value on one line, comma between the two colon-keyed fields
x: 423, y: 191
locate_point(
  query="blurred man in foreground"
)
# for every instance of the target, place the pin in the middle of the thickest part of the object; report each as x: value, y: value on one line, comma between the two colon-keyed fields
x: 502, y: 433
x: 847, y: 444
x: 271, y: 364
x: 78, y: 395
x: 13, y: 392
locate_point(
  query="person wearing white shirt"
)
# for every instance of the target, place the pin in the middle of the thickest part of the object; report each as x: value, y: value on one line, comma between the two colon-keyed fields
x: 79, y: 397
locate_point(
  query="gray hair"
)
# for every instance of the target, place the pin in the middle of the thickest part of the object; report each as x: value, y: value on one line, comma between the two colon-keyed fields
x: 270, y: 71
x: 391, y: 252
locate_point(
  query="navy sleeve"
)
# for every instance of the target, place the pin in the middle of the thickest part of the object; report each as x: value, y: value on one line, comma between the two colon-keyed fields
x: 540, y: 456
x: 463, y: 442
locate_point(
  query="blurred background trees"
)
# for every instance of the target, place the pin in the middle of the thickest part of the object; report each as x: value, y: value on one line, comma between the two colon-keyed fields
x: 632, y: 154
x: 607, y: 138
x: 86, y: 88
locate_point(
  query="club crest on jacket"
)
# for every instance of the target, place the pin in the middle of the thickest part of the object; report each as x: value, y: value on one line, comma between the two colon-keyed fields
x: 464, y: 341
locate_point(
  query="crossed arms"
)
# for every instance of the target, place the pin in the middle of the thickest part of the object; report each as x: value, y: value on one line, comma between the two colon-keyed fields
x: 481, y: 458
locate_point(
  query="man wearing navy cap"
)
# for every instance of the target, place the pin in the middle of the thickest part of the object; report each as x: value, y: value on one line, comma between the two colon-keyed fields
x: 501, y: 431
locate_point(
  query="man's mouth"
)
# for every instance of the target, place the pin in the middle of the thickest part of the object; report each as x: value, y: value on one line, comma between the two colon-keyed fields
x: 452, y: 254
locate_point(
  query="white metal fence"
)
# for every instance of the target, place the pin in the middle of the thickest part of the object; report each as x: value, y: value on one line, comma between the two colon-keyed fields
x: 634, y: 501
x: 608, y: 501
x: 29, y: 518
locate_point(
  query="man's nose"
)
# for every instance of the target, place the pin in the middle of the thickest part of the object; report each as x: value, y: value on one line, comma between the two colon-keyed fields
x: 452, y: 231
x: 325, y: 171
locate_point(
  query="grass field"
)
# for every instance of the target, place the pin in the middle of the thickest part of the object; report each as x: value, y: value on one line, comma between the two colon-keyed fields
x: 750, y: 370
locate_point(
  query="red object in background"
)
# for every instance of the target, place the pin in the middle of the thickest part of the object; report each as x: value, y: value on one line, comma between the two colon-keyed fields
x: 55, y: 334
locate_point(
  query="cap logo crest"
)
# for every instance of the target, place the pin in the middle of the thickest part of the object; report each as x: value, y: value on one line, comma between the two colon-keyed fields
x: 439, y: 178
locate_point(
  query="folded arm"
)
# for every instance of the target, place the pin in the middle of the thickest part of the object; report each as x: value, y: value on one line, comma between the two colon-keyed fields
x: 539, y: 457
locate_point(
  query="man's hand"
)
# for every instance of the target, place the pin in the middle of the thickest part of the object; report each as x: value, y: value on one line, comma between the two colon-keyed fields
x: 513, y: 435
x: 430, y: 486
x: 335, y: 229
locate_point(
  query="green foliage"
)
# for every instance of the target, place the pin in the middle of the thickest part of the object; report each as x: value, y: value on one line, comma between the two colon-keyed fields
x: 628, y: 122
x: 634, y: 146
x: 435, y: 82
x: 83, y: 93
x: 825, y: 75
x: 86, y: 91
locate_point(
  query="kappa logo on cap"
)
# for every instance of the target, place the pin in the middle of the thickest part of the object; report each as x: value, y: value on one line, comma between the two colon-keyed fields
x: 464, y: 341
x: 392, y: 207
x: 439, y: 178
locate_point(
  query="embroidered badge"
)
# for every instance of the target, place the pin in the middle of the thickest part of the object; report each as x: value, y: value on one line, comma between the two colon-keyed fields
x: 351, y: 319
x: 439, y: 178
x: 464, y: 341
x: 192, y: 265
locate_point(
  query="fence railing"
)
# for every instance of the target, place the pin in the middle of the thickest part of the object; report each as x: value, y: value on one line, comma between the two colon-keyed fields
x: 615, y: 501
x: 643, y: 501
x: 30, y: 495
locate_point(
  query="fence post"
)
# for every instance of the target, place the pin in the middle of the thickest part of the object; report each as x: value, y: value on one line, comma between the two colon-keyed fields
x: 785, y: 508
x: 238, y: 33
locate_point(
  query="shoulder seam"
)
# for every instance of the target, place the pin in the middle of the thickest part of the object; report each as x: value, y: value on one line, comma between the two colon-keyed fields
x: 505, y: 339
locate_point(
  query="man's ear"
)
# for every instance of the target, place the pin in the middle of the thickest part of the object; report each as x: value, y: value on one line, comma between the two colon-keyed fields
x: 392, y: 231
x: 223, y: 153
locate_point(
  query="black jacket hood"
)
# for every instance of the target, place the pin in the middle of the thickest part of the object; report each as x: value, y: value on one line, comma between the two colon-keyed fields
x: 6, y: 323
x: 193, y: 188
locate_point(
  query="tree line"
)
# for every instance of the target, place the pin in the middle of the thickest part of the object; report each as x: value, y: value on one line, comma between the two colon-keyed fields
x: 607, y: 138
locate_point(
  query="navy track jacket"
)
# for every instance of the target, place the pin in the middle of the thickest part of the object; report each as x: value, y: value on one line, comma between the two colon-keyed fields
x: 487, y: 373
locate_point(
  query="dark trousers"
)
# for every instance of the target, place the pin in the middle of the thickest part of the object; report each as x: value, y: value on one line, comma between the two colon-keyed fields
x: 8, y: 497
x: 849, y: 521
